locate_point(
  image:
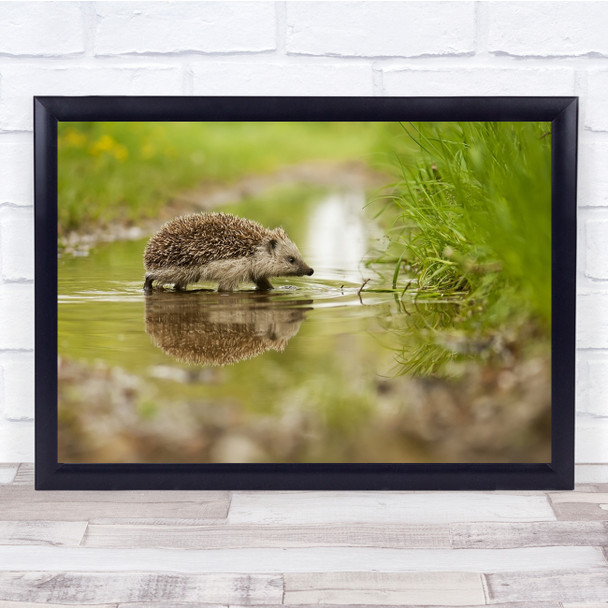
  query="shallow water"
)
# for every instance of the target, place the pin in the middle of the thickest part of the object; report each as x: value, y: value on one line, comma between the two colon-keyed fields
x: 304, y: 373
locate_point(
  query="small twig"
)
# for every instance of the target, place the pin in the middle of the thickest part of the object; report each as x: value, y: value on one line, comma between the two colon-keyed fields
x: 362, y: 286
x: 406, y: 288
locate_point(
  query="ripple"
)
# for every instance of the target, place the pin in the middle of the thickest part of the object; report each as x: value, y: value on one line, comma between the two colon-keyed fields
x: 323, y: 293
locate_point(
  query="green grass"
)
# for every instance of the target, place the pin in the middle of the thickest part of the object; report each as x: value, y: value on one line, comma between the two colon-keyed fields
x: 475, y: 212
x: 127, y: 171
x: 473, y: 224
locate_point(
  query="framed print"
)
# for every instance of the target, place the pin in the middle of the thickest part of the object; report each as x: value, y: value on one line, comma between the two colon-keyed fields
x: 305, y: 293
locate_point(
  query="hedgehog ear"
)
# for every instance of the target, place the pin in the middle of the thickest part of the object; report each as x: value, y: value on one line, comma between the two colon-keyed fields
x: 272, y: 245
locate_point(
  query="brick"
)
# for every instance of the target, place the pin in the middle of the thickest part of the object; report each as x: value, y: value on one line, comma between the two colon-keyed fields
x: 596, y: 239
x: 592, y: 383
x: 17, y: 441
x: 21, y: 83
x: 591, y: 473
x: 592, y: 320
x: 596, y: 100
x: 174, y: 27
x: 592, y: 174
x: 16, y: 316
x: 547, y: 28
x: 591, y: 444
x: 16, y: 169
x: 281, y: 79
x: 16, y: 244
x: 18, y: 394
x: 41, y: 28
x: 380, y: 29
x: 478, y: 81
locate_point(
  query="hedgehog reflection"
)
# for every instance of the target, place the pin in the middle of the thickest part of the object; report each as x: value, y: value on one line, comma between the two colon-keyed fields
x: 202, y: 328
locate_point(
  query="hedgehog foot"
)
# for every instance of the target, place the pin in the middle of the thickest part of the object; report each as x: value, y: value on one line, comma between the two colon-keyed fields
x: 148, y: 283
x: 263, y: 284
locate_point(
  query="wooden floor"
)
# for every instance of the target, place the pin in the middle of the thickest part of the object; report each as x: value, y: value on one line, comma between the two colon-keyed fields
x: 178, y: 549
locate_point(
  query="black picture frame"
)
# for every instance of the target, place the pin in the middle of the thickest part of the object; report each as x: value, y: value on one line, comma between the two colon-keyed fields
x: 558, y: 474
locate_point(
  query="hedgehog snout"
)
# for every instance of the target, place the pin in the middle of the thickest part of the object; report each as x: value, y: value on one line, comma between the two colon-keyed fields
x: 310, y: 272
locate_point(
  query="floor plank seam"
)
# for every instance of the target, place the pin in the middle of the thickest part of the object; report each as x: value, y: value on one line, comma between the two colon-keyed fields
x: 451, y: 534
x: 85, y: 534
x: 230, y: 495
x: 484, y: 586
x: 283, y: 594
x: 551, y: 506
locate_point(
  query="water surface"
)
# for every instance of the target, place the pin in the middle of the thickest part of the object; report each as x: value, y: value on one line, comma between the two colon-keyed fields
x: 304, y: 373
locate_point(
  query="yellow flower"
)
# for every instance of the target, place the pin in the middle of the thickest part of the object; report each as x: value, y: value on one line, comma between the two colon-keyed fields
x: 120, y: 152
x: 107, y: 144
x: 147, y: 151
x: 104, y: 144
x: 75, y: 138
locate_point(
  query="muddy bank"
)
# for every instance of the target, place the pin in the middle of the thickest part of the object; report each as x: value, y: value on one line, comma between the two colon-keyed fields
x: 499, y: 414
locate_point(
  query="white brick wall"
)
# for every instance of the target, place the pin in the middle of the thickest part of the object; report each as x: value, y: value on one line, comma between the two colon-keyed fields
x: 18, y: 385
x: 300, y: 48
x: 380, y: 29
x: 266, y: 78
x: 22, y: 80
x: 592, y: 174
x: 43, y: 29
x: 16, y: 314
x: 596, y: 116
x: 16, y: 166
x: 483, y: 80
x: 16, y: 252
x: 546, y: 29
x: 206, y: 27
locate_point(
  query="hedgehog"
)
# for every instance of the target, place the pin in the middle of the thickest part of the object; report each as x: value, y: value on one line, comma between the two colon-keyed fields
x: 220, y: 247
x: 221, y: 329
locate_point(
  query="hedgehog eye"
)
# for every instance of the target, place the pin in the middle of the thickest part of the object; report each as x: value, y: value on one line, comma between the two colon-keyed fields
x: 291, y: 259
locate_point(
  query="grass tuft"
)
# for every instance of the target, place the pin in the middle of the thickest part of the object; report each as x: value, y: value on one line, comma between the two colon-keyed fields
x: 473, y: 226
x: 475, y: 207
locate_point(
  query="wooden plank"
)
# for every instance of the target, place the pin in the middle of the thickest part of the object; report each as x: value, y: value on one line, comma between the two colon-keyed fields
x: 579, y: 497
x: 296, y: 508
x: 25, y: 474
x: 85, y: 588
x: 263, y: 560
x: 8, y: 472
x: 189, y: 605
x: 588, y: 487
x: 533, y: 534
x: 44, y: 605
x: 251, y: 535
x: 376, y: 588
x: 585, y: 605
x: 580, y: 512
x: 55, y: 533
x: 21, y: 502
x: 565, y: 585
x: 186, y: 605
x: 395, y: 605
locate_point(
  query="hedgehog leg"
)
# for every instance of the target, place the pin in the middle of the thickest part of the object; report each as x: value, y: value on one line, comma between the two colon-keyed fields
x: 263, y: 284
x: 148, y: 282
